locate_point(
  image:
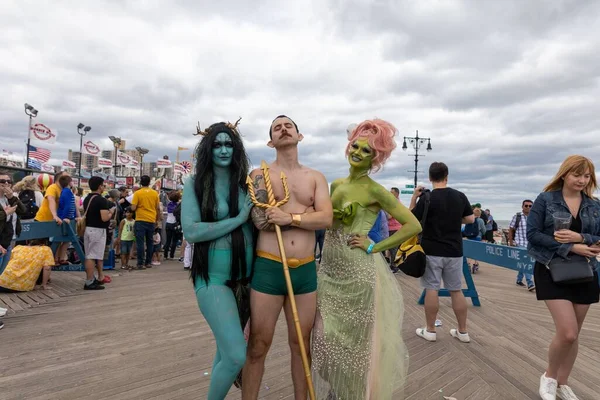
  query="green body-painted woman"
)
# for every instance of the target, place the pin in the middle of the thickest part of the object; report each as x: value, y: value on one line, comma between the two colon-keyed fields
x: 214, y: 217
x: 357, y: 346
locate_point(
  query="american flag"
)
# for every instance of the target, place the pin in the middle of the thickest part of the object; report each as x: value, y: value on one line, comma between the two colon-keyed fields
x: 39, y: 154
x: 34, y: 164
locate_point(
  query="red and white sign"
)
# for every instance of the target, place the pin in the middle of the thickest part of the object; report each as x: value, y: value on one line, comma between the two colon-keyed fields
x: 104, y: 162
x: 161, y: 163
x: 121, y: 181
x: 47, y: 167
x: 134, y: 163
x: 91, y: 148
x: 178, y: 168
x: 123, y: 158
x: 42, y: 133
x: 68, y: 164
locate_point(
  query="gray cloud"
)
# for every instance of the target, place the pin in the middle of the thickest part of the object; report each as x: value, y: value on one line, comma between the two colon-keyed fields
x: 504, y: 89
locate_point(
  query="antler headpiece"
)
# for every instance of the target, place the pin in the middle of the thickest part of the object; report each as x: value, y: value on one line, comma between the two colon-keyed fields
x: 231, y: 126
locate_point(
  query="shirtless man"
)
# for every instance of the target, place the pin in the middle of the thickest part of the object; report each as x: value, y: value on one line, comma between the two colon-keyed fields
x: 308, y: 209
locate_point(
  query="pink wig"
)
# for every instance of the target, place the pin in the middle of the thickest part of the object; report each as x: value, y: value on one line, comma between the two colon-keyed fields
x: 380, y: 136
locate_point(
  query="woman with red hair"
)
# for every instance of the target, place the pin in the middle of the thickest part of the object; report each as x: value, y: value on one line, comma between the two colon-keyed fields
x: 357, y: 346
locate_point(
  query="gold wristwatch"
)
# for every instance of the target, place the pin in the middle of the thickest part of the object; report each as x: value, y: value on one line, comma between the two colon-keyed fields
x: 296, y: 219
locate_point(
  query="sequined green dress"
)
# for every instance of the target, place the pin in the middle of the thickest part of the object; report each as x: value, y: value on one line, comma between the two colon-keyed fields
x: 357, y: 348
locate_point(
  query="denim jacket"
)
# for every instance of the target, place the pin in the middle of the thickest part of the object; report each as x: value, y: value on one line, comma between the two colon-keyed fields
x: 540, y: 226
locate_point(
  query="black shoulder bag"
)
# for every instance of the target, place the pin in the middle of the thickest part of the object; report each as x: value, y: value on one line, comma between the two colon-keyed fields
x: 571, y: 270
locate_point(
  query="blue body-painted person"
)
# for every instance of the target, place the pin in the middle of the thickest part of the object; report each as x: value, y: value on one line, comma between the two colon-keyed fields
x: 215, y: 210
x: 571, y: 192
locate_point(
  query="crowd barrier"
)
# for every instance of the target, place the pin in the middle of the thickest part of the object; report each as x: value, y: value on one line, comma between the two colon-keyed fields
x: 515, y: 258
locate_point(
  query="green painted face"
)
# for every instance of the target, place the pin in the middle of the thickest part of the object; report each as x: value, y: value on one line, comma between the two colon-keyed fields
x: 222, y: 150
x: 360, y: 155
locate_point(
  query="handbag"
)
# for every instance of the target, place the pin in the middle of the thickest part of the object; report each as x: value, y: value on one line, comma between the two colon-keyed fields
x: 81, y: 223
x: 411, y: 258
x: 571, y: 270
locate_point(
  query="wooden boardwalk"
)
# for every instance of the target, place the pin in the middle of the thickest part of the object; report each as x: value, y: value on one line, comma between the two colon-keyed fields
x: 144, y: 338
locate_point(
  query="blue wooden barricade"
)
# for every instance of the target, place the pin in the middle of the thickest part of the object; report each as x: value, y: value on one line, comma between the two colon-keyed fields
x: 514, y: 258
x: 60, y: 233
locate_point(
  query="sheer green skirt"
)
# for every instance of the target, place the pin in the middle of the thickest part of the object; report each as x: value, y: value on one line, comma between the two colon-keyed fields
x: 357, y: 348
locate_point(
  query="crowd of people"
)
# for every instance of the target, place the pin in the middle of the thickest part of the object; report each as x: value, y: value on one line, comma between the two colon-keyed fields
x: 114, y: 219
x: 340, y: 243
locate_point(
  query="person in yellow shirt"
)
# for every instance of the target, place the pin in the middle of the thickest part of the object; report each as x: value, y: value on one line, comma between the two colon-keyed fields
x: 25, y: 265
x: 145, y: 203
x: 48, y: 209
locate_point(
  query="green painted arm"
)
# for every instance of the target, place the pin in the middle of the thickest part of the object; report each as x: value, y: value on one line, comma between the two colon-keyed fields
x: 194, y: 229
x: 410, y: 224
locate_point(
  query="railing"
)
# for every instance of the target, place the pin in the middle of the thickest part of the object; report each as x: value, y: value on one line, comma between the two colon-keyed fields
x: 514, y: 258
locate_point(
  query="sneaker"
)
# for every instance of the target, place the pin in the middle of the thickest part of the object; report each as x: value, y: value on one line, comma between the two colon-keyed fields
x: 520, y: 284
x: 96, y: 285
x: 548, y: 388
x: 155, y: 262
x: 531, y: 288
x: 148, y: 265
x: 425, y: 334
x: 180, y: 259
x: 565, y: 393
x: 3, y: 311
x: 140, y: 267
x: 463, y: 337
x: 187, y: 268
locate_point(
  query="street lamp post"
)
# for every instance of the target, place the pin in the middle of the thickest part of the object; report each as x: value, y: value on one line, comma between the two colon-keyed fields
x: 86, y: 129
x: 416, y: 142
x: 117, y: 142
x: 32, y: 113
x: 142, y: 151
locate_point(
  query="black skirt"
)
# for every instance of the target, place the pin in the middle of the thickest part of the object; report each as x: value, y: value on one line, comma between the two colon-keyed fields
x: 581, y: 293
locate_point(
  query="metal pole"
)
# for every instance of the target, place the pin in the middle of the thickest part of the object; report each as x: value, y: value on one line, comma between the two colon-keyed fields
x: 80, y: 156
x: 141, y: 165
x: 28, y: 143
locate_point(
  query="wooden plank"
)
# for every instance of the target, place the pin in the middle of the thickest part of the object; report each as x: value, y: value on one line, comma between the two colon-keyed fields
x: 145, y: 337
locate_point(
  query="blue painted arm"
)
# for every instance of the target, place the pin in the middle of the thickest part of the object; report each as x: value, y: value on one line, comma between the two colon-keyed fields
x: 535, y: 230
x: 194, y: 229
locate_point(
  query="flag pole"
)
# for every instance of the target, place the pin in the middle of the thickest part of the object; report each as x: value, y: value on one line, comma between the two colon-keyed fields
x: 28, y: 143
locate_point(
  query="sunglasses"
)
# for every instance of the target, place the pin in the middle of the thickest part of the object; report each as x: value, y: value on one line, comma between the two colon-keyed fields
x: 528, y: 205
x: 6, y: 181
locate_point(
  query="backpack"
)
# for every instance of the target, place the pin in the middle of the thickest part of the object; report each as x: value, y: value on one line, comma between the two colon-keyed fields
x: 494, y: 226
x: 471, y: 230
x: 410, y: 258
x: 27, y: 197
x: 518, y: 221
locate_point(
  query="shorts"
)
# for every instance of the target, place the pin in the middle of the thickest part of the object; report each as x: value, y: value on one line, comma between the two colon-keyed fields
x: 94, y: 243
x: 268, y: 277
x: 126, y: 246
x: 448, y: 269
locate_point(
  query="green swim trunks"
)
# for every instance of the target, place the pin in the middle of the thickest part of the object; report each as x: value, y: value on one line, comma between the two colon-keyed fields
x: 268, y: 277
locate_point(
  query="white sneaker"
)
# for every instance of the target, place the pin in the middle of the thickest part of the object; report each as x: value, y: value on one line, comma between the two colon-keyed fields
x: 548, y: 388
x: 3, y: 311
x: 463, y: 337
x: 565, y: 393
x: 425, y: 334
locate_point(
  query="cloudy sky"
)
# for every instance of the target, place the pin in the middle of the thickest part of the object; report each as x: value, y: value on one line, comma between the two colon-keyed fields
x: 504, y: 89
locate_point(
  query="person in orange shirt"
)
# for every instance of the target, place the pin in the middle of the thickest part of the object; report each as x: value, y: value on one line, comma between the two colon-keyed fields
x: 145, y: 203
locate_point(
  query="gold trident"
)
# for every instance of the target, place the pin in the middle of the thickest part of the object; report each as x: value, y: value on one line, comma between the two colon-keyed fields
x: 286, y: 271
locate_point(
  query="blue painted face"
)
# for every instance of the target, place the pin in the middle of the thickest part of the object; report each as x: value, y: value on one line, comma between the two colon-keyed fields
x: 222, y: 151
